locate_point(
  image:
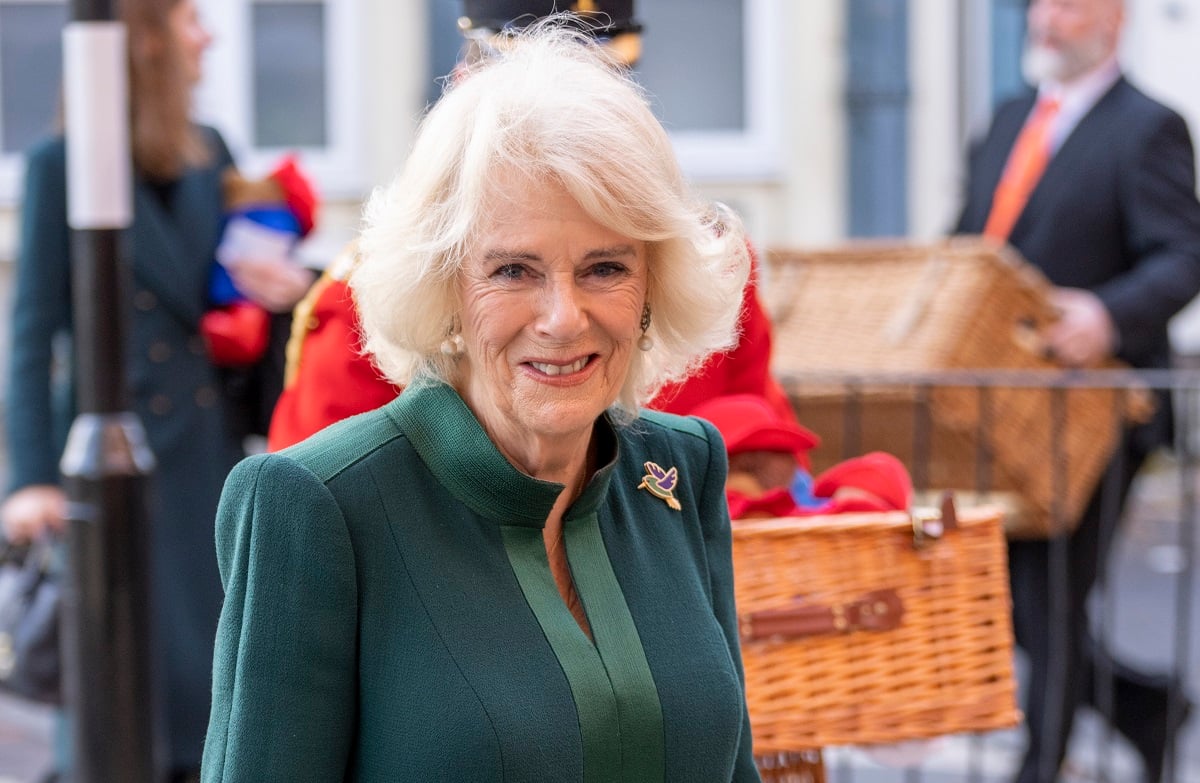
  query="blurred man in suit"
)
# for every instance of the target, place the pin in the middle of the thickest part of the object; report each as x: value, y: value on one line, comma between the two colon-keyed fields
x: 1094, y: 183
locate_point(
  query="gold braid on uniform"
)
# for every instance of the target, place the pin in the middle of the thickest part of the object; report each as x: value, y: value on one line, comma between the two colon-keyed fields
x: 302, y: 315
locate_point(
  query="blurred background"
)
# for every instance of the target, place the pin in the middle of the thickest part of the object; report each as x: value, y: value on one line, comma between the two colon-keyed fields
x: 818, y: 120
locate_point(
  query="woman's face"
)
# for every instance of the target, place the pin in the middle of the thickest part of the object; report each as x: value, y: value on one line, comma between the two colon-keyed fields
x: 191, y: 37
x: 551, y: 307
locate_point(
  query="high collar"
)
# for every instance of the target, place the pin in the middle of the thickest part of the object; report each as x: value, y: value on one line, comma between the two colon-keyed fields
x: 455, y: 448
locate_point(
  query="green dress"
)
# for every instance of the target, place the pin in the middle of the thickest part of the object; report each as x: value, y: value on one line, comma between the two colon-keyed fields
x: 390, y: 614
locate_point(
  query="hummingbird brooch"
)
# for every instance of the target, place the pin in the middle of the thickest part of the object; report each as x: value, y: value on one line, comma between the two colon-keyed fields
x: 661, y: 484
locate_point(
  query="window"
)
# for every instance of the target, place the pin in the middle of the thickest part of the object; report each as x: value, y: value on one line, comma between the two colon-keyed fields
x: 711, y: 87
x: 711, y: 66
x: 280, y: 77
x: 289, y: 92
x: 877, y: 99
x: 30, y: 75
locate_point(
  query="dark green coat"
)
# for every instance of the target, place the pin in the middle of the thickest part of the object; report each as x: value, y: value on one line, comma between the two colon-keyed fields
x: 175, y: 391
x: 390, y: 614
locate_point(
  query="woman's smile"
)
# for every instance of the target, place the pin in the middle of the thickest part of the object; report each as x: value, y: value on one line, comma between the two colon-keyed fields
x: 566, y: 370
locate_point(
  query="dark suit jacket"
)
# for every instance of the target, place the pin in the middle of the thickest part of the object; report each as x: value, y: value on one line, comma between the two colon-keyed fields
x: 173, y: 388
x: 390, y: 614
x: 1115, y: 212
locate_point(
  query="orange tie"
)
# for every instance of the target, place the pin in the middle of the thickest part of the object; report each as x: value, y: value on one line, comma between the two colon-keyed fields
x: 1025, y: 165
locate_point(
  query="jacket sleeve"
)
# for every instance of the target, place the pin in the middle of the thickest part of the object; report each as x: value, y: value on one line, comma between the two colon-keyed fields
x: 718, y: 542
x: 284, y: 676
x: 1162, y: 234
x: 41, y: 312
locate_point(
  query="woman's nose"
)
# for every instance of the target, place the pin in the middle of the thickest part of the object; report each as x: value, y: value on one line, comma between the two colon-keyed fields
x: 564, y: 315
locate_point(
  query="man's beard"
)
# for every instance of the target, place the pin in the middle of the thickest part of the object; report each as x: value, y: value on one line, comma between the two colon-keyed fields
x: 1043, y: 63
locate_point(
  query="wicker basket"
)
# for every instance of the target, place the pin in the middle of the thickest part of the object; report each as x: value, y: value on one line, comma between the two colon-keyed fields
x: 852, y: 633
x: 955, y: 305
x: 806, y: 766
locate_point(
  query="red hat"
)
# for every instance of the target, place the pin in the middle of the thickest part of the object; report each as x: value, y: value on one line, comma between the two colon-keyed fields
x: 747, y: 422
x: 298, y: 192
x: 878, y: 473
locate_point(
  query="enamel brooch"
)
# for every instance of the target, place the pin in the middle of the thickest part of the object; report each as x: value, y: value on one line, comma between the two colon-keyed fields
x: 661, y: 484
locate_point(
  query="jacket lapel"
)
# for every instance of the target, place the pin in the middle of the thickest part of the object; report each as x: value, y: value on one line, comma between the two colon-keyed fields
x: 173, y: 248
x: 1076, y: 149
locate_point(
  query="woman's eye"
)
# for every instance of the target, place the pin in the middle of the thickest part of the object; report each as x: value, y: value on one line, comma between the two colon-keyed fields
x: 606, y: 269
x: 511, y: 272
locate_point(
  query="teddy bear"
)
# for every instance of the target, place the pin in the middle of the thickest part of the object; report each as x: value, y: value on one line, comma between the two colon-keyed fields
x: 264, y: 218
x: 769, y: 466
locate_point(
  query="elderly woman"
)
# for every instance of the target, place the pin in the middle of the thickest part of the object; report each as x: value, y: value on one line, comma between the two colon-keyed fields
x: 506, y: 573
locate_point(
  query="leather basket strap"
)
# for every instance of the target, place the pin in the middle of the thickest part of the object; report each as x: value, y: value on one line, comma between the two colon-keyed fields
x: 881, y: 610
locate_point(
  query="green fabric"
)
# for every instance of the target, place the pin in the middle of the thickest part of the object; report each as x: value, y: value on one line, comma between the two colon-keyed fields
x: 620, y: 648
x: 473, y: 469
x: 390, y: 614
x: 599, y: 719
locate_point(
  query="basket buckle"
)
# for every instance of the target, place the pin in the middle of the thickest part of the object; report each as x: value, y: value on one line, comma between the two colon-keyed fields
x: 930, y: 524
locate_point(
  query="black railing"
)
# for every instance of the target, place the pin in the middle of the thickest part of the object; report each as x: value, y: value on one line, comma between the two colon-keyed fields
x: 1043, y: 444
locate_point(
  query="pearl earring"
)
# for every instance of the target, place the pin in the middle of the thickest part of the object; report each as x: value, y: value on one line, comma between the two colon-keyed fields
x: 453, y: 345
x: 644, y: 342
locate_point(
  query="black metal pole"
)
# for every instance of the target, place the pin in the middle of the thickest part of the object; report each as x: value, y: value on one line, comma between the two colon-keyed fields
x: 107, y: 679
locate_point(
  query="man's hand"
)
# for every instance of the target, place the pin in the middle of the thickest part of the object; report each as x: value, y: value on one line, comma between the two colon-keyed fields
x: 1084, y: 335
x: 31, y: 511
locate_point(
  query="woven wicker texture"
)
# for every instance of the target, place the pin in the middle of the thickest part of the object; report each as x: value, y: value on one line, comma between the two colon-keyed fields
x: 797, y: 767
x: 946, y: 669
x: 959, y: 304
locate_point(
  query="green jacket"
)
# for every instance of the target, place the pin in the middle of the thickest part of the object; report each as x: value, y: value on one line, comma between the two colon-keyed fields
x: 390, y: 613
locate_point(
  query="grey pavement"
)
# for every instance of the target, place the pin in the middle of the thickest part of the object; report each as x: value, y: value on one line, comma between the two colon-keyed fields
x: 25, y: 731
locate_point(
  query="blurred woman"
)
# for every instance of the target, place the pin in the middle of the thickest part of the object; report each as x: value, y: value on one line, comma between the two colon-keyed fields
x: 173, y: 386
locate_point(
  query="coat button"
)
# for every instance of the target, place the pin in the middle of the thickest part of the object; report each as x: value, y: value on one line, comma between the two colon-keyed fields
x: 145, y: 300
x: 159, y: 351
x: 206, y: 397
x: 160, y: 405
x: 312, y: 323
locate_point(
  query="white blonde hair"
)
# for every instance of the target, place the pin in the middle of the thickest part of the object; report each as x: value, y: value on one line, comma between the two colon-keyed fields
x: 552, y: 107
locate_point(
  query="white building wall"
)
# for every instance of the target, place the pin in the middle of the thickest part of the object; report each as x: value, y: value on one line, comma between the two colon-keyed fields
x: 1162, y: 53
x: 811, y: 205
x: 1162, y: 56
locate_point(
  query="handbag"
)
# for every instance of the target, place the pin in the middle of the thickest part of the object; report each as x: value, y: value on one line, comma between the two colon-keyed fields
x: 30, y: 595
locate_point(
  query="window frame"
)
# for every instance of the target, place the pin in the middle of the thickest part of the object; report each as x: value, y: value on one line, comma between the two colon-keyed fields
x: 224, y: 98
x: 752, y: 154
